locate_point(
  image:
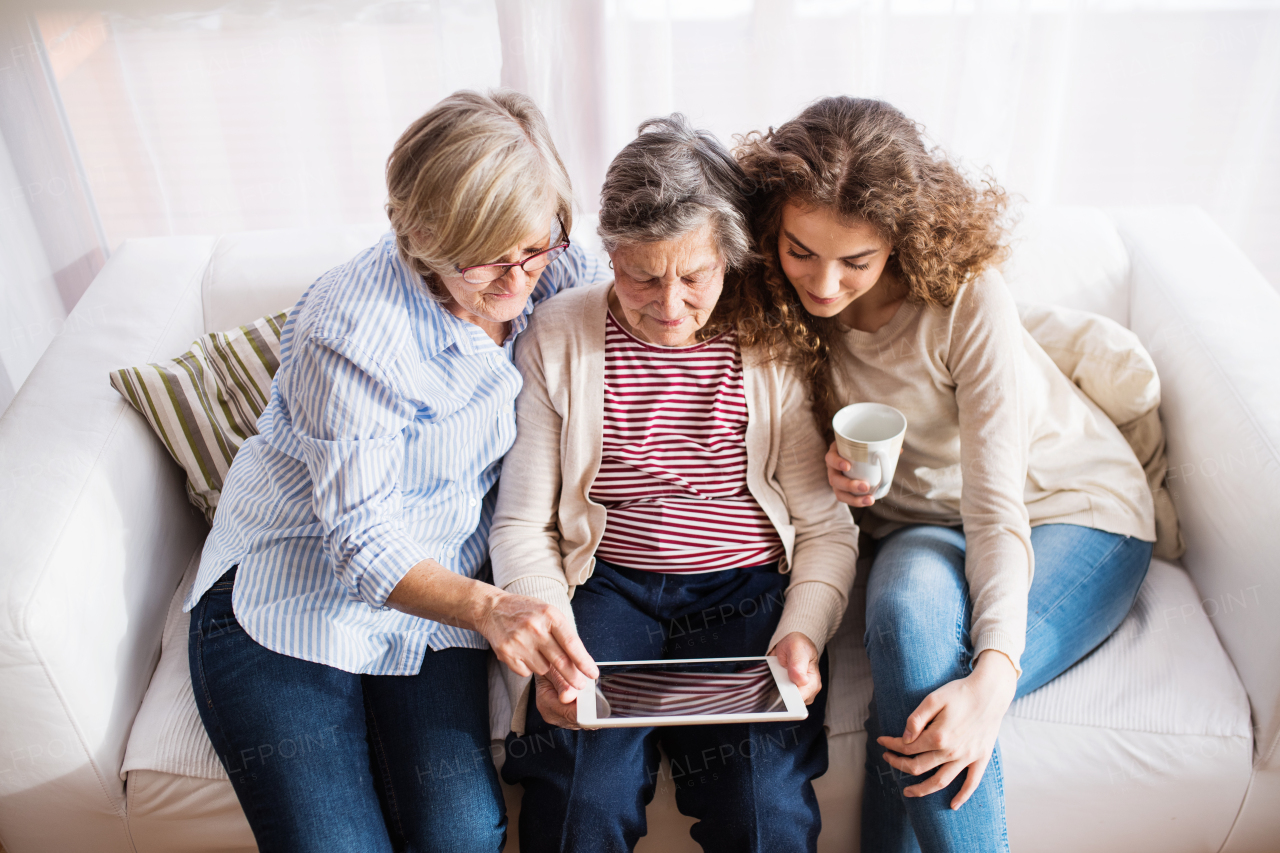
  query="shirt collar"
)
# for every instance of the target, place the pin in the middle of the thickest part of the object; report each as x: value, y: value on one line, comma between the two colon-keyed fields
x: 519, y: 323
x: 434, y: 328
x: 438, y: 329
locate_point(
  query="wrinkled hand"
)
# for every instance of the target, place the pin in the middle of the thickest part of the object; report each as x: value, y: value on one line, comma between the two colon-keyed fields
x: 551, y: 704
x: 535, y: 638
x: 955, y: 728
x: 851, y: 492
x: 799, y: 655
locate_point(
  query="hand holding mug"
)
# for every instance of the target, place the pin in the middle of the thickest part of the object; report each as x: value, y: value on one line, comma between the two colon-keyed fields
x: 862, y: 460
x: 855, y: 493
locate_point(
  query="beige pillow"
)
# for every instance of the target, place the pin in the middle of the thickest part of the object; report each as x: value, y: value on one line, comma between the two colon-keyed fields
x: 205, y: 403
x: 1109, y: 364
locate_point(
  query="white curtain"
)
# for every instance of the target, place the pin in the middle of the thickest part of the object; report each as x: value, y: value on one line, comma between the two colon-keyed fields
x: 257, y: 115
x: 260, y: 115
x: 51, y: 242
x: 1101, y: 103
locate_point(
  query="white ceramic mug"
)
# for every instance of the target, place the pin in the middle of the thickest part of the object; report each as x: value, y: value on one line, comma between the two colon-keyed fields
x: 869, y: 435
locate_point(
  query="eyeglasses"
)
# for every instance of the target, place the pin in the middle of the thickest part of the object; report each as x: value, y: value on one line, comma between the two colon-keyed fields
x: 485, y: 273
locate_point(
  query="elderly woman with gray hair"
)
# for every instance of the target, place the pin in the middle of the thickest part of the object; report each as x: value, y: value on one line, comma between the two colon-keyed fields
x: 667, y: 492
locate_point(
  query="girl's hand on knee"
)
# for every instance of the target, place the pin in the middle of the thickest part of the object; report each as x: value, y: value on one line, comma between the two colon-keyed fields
x: 851, y: 492
x: 955, y: 729
x: 551, y: 706
x: 799, y: 655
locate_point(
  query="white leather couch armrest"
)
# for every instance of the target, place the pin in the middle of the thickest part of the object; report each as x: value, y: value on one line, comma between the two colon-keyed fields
x: 1212, y: 324
x: 95, y: 531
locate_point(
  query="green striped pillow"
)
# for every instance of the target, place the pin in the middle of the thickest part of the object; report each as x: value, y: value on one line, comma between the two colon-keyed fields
x: 205, y: 403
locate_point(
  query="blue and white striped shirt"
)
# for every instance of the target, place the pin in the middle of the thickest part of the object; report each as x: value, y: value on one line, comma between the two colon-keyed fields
x: 380, y: 447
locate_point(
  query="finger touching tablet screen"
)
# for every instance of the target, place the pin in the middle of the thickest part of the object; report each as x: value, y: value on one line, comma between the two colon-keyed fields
x: 690, y: 692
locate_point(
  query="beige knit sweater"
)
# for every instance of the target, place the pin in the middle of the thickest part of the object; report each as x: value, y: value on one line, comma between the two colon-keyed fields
x: 987, y: 408
x: 546, y: 528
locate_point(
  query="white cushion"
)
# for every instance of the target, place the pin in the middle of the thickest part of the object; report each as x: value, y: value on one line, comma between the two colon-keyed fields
x: 169, y: 813
x: 1163, y: 671
x: 253, y: 273
x: 1104, y: 359
x: 1070, y: 256
x: 1155, y: 713
x: 167, y: 734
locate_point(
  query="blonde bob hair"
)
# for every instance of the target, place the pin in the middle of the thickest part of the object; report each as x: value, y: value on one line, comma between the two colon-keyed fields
x: 470, y: 179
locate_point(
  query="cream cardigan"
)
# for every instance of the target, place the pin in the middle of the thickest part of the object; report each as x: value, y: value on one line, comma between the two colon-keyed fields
x: 546, y: 528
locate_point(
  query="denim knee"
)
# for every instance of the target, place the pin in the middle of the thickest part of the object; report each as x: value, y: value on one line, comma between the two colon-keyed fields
x: 917, y: 609
x: 906, y: 624
x: 484, y: 828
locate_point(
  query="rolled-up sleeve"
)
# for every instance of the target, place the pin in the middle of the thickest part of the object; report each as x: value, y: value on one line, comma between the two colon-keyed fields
x: 350, y: 422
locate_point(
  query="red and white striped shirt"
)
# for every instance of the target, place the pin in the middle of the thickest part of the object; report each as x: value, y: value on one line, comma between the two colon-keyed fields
x: 673, y: 475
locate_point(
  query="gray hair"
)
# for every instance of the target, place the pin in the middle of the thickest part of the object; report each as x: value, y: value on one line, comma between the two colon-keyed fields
x: 671, y: 180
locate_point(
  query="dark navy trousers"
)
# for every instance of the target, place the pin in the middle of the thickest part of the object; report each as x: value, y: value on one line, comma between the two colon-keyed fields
x: 748, y: 785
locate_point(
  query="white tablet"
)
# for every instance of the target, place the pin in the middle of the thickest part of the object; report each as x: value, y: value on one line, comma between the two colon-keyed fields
x: 690, y: 692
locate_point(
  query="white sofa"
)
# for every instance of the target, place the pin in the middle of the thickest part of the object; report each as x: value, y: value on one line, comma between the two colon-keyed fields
x: 1164, y: 740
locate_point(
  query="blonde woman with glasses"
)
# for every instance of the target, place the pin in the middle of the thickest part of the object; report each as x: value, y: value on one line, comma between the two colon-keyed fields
x: 342, y: 612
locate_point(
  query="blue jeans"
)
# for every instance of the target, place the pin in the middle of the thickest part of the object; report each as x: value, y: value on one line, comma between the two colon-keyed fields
x: 749, y: 785
x: 918, y: 616
x: 326, y: 760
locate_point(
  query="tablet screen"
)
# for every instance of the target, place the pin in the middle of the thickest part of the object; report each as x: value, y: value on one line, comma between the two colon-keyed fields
x: 687, y: 688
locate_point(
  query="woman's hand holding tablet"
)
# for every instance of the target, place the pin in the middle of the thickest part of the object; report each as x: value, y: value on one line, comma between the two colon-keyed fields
x: 799, y: 656
x: 550, y: 705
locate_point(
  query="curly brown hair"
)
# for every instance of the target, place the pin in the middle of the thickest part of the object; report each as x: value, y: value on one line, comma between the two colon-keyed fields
x: 863, y: 160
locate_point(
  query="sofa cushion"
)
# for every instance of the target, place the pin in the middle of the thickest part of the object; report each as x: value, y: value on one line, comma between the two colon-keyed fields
x: 204, y: 403
x: 253, y: 272
x: 169, y: 813
x: 1070, y: 256
x: 1163, y: 671
x: 1155, y: 711
x: 185, y: 814
x: 1109, y: 364
x: 1149, y: 736
x: 1104, y: 359
x: 168, y: 735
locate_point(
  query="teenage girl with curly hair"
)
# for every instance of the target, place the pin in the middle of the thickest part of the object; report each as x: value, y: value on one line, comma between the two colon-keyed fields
x: 880, y: 281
